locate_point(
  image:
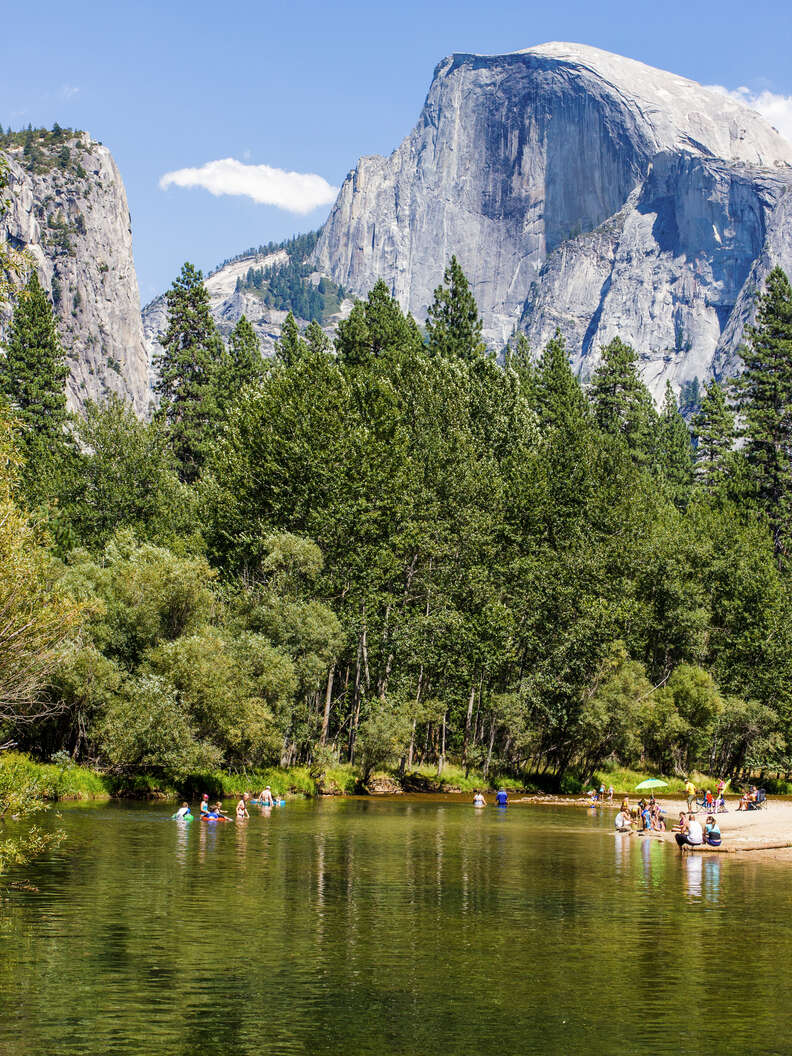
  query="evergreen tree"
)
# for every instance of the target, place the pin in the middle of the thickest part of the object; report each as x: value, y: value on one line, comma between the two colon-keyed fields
x: 557, y: 396
x: 33, y: 370
x: 674, y: 450
x: 375, y: 327
x: 316, y: 339
x: 290, y: 347
x: 244, y: 355
x: 765, y: 400
x: 33, y: 373
x: 453, y: 325
x: 621, y: 402
x: 188, y: 370
x: 715, y: 433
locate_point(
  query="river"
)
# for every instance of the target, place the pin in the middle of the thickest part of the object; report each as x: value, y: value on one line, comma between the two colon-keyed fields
x: 412, y: 926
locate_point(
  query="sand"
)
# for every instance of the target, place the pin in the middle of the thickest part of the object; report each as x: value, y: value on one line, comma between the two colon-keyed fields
x: 769, y: 829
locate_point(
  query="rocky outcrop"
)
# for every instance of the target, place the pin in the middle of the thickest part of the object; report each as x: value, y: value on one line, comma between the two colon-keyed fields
x: 68, y: 210
x: 228, y: 304
x: 579, y: 190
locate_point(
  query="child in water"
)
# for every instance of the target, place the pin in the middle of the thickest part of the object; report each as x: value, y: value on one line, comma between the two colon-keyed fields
x: 182, y: 812
x: 241, y: 810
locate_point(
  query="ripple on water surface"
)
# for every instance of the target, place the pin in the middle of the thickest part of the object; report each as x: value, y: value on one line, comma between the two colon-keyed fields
x: 399, y: 926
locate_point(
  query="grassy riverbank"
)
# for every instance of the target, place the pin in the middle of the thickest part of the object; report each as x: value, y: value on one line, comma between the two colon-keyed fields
x: 66, y: 781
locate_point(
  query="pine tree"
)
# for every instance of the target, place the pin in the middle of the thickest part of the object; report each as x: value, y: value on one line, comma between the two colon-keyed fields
x: 291, y: 347
x: 33, y: 370
x: 188, y: 370
x: 375, y: 327
x: 765, y: 400
x: 557, y: 396
x: 715, y: 432
x: 316, y: 339
x: 674, y: 450
x: 621, y: 402
x: 453, y: 325
x: 244, y: 352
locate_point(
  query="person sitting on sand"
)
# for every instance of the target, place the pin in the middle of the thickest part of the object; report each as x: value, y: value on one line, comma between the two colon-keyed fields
x: 241, y: 808
x: 694, y: 837
x: 265, y: 798
x: 623, y: 822
x: 712, y: 833
x: 658, y: 820
x: 747, y: 798
x: 479, y: 800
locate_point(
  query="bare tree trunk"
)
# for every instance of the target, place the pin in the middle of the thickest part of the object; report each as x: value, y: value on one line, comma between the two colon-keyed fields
x: 441, y: 756
x: 491, y: 744
x: 355, y: 705
x: 328, y: 699
x: 468, y: 721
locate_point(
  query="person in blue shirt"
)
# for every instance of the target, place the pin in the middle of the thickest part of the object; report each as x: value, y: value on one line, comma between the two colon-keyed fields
x: 502, y: 798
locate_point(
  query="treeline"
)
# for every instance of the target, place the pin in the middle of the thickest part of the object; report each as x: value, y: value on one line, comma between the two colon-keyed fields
x: 394, y: 549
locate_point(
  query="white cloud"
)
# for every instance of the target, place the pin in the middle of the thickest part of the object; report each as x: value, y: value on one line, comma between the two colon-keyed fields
x: 297, y: 192
x: 776, y: 109
x: 68, y: 91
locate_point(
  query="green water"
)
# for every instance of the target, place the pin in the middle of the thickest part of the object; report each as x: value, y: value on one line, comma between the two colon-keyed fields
x: 393, y: 926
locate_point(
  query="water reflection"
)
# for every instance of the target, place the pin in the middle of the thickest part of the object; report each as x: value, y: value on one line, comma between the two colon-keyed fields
x: 693, y: 865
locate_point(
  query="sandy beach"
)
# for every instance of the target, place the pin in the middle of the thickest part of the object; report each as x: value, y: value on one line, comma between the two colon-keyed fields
x: 769, y: 829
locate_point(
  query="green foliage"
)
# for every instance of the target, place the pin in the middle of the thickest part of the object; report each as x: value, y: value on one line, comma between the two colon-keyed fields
x: 33, y: 372
x: 622, y: 405
x: 715, y: 432
x: 21, y: 798
x: 188, y: 368
x: 764, y: 392
x: 453, y: 325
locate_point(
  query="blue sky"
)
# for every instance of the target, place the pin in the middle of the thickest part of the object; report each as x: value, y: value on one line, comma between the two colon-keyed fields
x: 308, y: 87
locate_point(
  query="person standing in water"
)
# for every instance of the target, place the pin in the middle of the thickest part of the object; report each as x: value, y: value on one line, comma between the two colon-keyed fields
x: 479, y: 800
x: 205, y: 803
x: 241, y: 810
x: 502, y: 798
x: 265, y: 799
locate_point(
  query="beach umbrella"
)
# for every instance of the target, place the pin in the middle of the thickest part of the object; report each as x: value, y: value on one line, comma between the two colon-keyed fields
x: 652, y: 782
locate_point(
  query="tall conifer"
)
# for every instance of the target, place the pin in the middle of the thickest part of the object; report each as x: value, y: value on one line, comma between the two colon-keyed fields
x: 715, y: 432
x: 188, y: 370
x: 453, y: 324
x: 621, y: 402
x: 674, y: 450
x: 765, y: 400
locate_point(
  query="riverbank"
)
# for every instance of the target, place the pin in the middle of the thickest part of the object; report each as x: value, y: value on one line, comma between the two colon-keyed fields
x: 764, y: 830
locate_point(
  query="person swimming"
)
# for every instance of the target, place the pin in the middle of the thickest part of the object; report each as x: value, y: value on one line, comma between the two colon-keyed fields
x: 182, y: 813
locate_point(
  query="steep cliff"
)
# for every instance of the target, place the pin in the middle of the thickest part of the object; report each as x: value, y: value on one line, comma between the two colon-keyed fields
x: 234, y: 293
x: 68, y: 209
x: 581, y: 190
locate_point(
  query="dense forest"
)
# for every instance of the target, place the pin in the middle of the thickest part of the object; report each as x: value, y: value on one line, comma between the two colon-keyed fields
x: 395, y: 549
x: 288, y: 287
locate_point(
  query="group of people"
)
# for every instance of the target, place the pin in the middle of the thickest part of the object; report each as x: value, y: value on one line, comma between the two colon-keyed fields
x: 691, y: 834
x: 600, y: 795
x: 749, y: 799
x: 501, y: 798
x: 215, y: 812
x: 712, y: 804
x: 647, y: 814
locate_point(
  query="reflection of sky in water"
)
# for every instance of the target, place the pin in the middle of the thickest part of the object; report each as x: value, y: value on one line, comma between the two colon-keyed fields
x: 694, y: 866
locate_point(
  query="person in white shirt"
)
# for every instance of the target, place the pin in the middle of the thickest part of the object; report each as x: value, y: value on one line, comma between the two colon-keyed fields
x: 694, y: 837
x: 623, y: 822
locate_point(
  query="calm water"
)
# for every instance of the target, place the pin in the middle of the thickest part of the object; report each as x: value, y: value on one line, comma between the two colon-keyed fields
x: 420, y: 927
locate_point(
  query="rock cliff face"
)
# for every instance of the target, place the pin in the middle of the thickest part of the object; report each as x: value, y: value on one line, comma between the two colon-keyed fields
x: 228, y: 304
x: 579, y: 190
x: 68, y: 209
